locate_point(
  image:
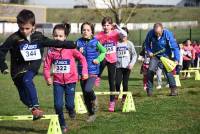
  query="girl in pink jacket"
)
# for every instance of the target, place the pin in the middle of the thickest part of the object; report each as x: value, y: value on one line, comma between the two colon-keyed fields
x: 109, y: 38
x: 188, y: 55
x: 65, y: 73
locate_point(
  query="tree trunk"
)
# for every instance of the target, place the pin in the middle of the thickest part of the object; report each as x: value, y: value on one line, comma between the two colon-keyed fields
x: 118, y: 16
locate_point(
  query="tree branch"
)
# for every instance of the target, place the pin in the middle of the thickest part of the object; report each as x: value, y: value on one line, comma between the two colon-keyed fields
x: 132, y: 11
x: 93, y: 3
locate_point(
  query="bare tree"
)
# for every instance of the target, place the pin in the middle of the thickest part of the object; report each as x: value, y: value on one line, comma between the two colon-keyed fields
x: 118, y: 8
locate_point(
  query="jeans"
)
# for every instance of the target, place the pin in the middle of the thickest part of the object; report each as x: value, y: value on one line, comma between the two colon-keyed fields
x: 153, y: 65
x: 26, y: 89
x: 178, y: 69
x: 67, y: 90
x: 88, y: 93
x: 111, y: 75
x: 159, y: 76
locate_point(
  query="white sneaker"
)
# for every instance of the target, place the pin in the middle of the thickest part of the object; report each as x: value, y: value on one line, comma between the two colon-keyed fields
x: 145, y: 88
x: 91, y: 118
x: 159, y: 87
x: 167, y: 85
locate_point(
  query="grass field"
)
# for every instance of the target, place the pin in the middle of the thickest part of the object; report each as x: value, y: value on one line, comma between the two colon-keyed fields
x: 159, y: 114
x: 142, y: 15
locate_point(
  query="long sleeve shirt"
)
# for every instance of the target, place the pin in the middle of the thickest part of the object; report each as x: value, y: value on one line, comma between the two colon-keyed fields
x: 126, y: 54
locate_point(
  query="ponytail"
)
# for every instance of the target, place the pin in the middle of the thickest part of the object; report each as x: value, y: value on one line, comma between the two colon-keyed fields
x: 65, y: 26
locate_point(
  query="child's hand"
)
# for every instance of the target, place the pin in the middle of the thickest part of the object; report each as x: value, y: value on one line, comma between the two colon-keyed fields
x: 140, y: 58
x: 6, y: 71
x: 176, y: 62
x: 130, y: 66
x: 150, y: 54
x: 114, y: 25
x: 49, y: 81
x: 95, y: 61
x: 81, y: 49
x: 85, y: 76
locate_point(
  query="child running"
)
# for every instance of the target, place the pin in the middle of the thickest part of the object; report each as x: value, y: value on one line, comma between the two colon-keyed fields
x: 109, y: 38
x: 188, y: 56
x: 144, y: 67
x: 26, y: 48
x: 126, y: 58
x: 94, y: 53
x: 65, y: 73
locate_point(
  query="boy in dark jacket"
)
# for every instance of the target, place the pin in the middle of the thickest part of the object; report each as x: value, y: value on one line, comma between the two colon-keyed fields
x: 26, y: 47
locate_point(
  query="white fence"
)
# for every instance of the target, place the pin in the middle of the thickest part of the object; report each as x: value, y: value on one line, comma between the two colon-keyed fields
x: 75, y: 27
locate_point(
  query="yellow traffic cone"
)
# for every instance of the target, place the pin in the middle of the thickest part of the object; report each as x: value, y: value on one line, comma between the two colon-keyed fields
x: 168, y: 64
x: 188, y: 75
x: 197, y: 75
x: 178, y: 83
x: 79, y: 105
x: 54, y: 126
x: 129, y: 104
x: 121, y: 92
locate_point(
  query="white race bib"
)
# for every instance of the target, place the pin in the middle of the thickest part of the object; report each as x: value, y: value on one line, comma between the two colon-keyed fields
x: 122, y: 52
x: 30, y: 52
x: 110, y: 48
x: 61, y: 66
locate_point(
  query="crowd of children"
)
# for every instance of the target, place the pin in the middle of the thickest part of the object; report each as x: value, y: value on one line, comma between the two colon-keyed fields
x: 109, y: 47
x: 190, y: 55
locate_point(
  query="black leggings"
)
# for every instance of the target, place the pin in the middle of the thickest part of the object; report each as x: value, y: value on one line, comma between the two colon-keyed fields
x: 122, y: 75
x: 88, y: 93
x: 186, y: 64
x: 111, y: 67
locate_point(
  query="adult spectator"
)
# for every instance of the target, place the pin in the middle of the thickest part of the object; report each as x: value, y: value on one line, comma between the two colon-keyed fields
x: 161, y: 42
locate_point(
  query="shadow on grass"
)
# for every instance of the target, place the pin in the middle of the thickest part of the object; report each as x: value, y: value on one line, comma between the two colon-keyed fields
x: 193, y: 92
x: 130, y: 79
x: 22, y: 129
x: 138, y: 94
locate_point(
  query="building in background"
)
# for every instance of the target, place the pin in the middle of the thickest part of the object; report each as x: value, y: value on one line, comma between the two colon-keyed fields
x: 189, y: 3
x: 167, y: 3
x: 101, y: 4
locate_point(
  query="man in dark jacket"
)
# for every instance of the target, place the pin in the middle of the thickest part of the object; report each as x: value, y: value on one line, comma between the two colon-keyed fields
x: 161, y: 42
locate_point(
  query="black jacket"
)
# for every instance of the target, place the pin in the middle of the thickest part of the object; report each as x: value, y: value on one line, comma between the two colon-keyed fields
x: 18, y: 64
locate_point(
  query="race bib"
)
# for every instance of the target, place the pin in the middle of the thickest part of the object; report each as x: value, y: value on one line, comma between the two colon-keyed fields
x: 30, y: 52
x: 122, y: 52
x: 110, y: 48
x: 61, y: 66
